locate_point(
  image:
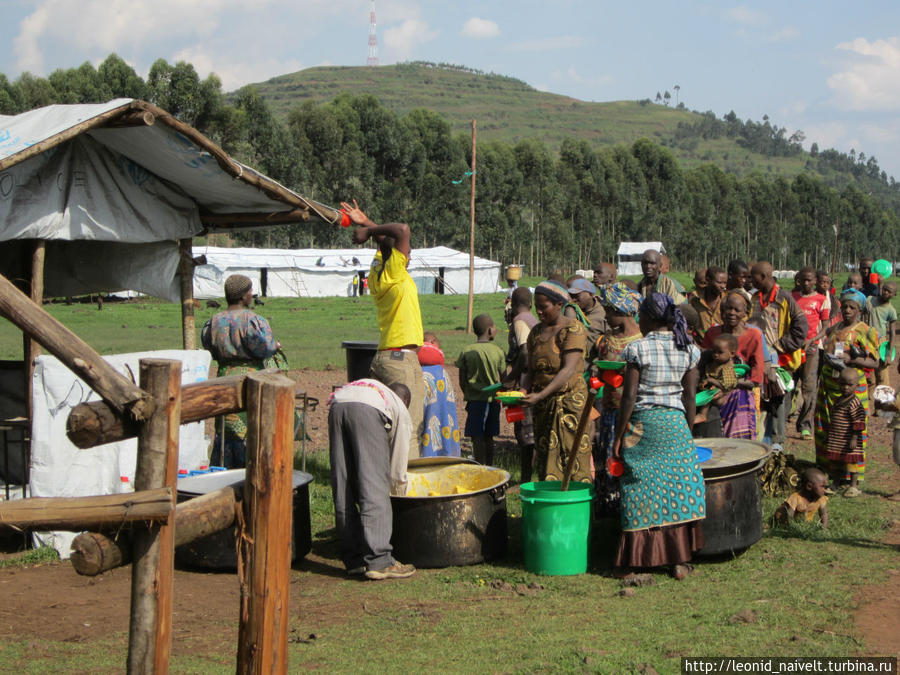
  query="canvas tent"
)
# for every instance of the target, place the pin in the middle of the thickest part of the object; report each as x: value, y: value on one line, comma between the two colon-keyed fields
x: 317, y: 273
x: 106, y: 197
x: 628, y: 257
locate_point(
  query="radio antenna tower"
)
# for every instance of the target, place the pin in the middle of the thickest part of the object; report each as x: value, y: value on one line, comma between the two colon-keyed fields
x: 373, y: 39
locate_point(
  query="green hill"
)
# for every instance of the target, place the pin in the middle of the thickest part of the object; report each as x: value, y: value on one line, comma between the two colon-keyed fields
x: 510, y: 110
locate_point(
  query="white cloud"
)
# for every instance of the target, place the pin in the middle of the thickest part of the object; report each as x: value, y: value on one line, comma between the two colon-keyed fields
x: 869, y: 78
x: 236, y: 72
x: 784, y: 34
x: 548, y: 44
x: 402, y: 41
x: 480, y: 28
x: 746, y: 16
x: 572, y: 75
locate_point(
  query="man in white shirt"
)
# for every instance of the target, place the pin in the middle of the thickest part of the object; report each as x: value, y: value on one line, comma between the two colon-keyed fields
x: 369, y: 430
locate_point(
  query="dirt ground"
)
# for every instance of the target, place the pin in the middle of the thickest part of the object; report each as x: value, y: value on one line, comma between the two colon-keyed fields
x: 52, y: 602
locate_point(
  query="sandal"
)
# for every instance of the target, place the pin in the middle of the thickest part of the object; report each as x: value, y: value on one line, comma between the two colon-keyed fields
x: 682, y: 571
x: 852, y: 492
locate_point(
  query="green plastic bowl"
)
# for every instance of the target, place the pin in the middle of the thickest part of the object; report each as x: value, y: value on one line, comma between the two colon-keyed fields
x: 610, y: 365
x: 705, y: 397
x: 741, y: 369
x: 492, y: 387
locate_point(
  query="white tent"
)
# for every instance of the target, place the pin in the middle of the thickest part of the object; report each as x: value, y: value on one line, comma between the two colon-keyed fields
x: 317, y: 273
x: 112, y: 187
x: 628, y: 257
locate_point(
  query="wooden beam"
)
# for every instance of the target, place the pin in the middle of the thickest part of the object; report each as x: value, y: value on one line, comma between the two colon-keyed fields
x: 135, y: 118
x: 96, y: 423
x: 275, y: 218
x: 264, y: 555
x: 33, y: 348
x: 186, y: 282
x: 96, y: 552
x: 75, y: 353
x: 85, y: 513
x: 152, y: 576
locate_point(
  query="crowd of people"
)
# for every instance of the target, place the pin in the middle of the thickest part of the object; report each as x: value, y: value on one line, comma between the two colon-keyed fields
x: 759, y: 350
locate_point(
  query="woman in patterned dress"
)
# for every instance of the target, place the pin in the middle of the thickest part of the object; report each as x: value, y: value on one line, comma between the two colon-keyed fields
x: 663, y: 494
x: 855, y: 345
x: 558, y: 392
x: 621, y: 305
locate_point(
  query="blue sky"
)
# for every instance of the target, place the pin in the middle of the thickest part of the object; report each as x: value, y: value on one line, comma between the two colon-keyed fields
x: 829, y: 68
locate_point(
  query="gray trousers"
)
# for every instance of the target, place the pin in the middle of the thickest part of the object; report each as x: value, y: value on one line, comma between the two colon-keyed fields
x: 807, y: 381
x: 360, y: 484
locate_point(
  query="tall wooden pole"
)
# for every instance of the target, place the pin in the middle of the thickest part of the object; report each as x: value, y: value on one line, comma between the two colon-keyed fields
x: 152, y: 575
x: 32, y: 348
x: 471, y: 240
x: 264, y: 559
x: 186, y: 278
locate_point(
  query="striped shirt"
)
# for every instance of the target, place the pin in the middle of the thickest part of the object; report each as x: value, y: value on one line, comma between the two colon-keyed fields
x: 662, y: 366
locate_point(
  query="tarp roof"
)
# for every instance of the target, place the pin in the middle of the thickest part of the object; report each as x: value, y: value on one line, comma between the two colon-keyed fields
x: 228, y: 194
x: 638, y: 247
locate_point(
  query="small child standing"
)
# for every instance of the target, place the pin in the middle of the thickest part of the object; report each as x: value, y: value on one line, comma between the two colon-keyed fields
x: 854, y: 281
x: 844, y: 455
x: 881, y: 316
x: 480, y: 365
x: 809, y: 500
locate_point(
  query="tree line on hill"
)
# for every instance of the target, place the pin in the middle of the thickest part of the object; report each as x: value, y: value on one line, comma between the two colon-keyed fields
x: 533, y: 206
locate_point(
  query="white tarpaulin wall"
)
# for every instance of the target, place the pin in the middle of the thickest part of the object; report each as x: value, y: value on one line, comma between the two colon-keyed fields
x: 320, y: 273
x: 59, y: 469
x: 628, y: 257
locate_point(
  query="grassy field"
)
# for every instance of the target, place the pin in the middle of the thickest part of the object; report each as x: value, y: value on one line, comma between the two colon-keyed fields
x: 792, y: 594
x: 509, y: 110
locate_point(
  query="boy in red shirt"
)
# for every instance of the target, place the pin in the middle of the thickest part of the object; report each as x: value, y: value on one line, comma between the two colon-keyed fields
x: 817, y: 309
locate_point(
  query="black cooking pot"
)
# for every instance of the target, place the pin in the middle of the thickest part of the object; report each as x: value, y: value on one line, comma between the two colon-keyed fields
x: 459, y: 529
x: 217, y: 550
x: 733, y: 495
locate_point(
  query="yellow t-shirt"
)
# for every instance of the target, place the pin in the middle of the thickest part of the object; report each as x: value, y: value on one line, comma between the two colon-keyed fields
x: 396, y: 301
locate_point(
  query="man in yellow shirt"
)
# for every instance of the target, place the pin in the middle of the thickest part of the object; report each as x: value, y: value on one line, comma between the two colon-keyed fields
x: 399, y: 319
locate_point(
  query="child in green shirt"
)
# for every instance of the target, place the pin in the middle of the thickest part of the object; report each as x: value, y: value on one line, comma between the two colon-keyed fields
x: 480, y: 365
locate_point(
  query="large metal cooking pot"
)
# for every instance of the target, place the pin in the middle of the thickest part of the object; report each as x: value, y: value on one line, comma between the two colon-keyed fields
x: 733, y: 495
x: 453, y: 529
x: 217, y: 550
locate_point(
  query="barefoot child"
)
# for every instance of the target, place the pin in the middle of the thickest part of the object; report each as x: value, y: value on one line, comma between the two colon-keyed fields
x: 882, y: 316
x: 844, y: 450
x: 809, y: 500
x: 480, y: 365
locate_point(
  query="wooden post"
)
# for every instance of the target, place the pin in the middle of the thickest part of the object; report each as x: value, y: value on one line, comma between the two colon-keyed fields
x: 471, y: 241
x: 75, y: 353
x: 186, y: 279
x: 32, y: 348
x: 152, y: 575
x: 265, y: 549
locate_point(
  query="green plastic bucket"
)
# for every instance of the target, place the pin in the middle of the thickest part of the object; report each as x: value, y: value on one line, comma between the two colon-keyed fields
x: 556, y: 527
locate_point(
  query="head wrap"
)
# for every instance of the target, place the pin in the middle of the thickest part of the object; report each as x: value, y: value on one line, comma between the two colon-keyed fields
x: 582, y: 286
x: 235, y: 287
x: 660, y: 308
x: 854, y: 295
x: 620, y: 298
x: 553, y: 290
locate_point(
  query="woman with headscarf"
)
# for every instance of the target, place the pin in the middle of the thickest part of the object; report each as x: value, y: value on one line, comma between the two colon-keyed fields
x: 738, y: 411
x: 240, y: 341
x: 621, y: 305
x: 556, y: 347
x: 848, y: 344
x: 663, y: 495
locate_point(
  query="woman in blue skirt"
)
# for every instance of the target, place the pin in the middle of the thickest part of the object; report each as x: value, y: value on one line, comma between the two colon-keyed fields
x: 663, y: 495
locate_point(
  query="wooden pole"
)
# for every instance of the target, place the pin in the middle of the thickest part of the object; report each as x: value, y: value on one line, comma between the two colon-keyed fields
x: 471, y: 240
x: 33, y: 348
x: 579, y: 432
x: 96, y: 423
x: 264, y: 558
x: 96, y: 552
x: 152, y: 575
x: 74, y: 352
x: 85, y: 513
x: 186, y: 280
